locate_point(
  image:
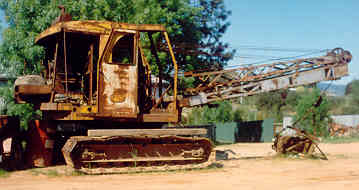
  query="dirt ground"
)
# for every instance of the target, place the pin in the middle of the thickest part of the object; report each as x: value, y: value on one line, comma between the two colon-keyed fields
x: 253, y: 167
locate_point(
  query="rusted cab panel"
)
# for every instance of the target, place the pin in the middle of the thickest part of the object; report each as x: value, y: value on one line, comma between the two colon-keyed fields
x: 119, y: 91
x: 98, y: 70
x: 11, y: 157
x: 118, y: 82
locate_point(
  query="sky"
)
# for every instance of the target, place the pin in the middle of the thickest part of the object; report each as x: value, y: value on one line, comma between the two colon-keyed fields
x: 305, y: 25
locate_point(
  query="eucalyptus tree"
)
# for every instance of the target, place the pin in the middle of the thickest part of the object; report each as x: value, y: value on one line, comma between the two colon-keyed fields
x: 195, y: 28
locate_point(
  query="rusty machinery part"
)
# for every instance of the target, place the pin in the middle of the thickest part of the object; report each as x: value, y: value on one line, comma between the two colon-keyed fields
x: 294, y: 140
x: 298, y: 142
x: 30, y: 80
x: 13, y: 158
x: 290, y: 144
x: 63, y: 16
x: 119, y: 153
x: 254, y: 79
x: 343, y: 56
x: 83, y: 83
x: 11, y: 151
x: 34, y: 86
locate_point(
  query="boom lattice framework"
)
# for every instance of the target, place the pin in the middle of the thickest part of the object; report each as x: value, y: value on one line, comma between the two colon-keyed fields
x: 245, y: 81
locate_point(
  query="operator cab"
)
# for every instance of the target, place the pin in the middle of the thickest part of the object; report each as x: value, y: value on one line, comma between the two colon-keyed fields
x: 99, y: 69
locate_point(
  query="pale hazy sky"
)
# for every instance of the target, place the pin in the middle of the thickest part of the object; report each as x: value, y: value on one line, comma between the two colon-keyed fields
x: 293, y: 24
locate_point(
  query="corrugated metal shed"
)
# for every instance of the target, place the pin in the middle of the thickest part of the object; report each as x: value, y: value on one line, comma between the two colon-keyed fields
x: 346, y: 120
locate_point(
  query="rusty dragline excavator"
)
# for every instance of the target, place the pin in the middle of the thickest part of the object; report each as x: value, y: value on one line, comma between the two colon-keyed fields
x: 99, y: 95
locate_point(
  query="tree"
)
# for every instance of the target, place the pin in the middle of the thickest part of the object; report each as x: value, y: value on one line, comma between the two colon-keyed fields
x: 193, y: 27
x: 274, y: 103
x: 313, y: 112
x: 348, y: 88
x: 352, y: 91
x: 222, y: 113
x: 25, y: 111
x: 338, y: 105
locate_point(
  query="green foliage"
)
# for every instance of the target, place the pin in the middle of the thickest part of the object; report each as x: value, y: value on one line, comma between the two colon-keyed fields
x: 4, y: 174
x: 190, y: 25
x: 274, y: 104
x: 313, y: 119
x: 348, y: 104
x: 24, y: 111
x: 353, y: 98
x: 220, y: 114
x: 271, y: 103
x: 237, y: 115
x: 338, y: 105
x: 292, y: 99
x: 185, y: 82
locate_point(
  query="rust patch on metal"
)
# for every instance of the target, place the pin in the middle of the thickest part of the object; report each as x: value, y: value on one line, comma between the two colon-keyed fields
x: 119, y: 95
x: 119, y: 88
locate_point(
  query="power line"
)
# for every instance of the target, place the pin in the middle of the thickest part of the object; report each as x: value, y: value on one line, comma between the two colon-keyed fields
x: 277, y: 59
x: 255, y: 56
x: 267, y: 48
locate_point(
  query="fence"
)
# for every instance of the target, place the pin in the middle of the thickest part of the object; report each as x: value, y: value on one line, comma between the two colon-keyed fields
x: 252, y: 131
x: 232, y: 132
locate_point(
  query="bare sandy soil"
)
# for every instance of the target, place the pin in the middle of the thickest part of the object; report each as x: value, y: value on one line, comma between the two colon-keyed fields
x: 254, y: 167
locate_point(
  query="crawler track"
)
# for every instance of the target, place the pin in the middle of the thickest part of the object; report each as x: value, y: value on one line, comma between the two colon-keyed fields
x: 133, y: 153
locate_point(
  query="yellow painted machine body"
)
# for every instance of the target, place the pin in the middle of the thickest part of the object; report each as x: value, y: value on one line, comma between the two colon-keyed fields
x: 99, y: 70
